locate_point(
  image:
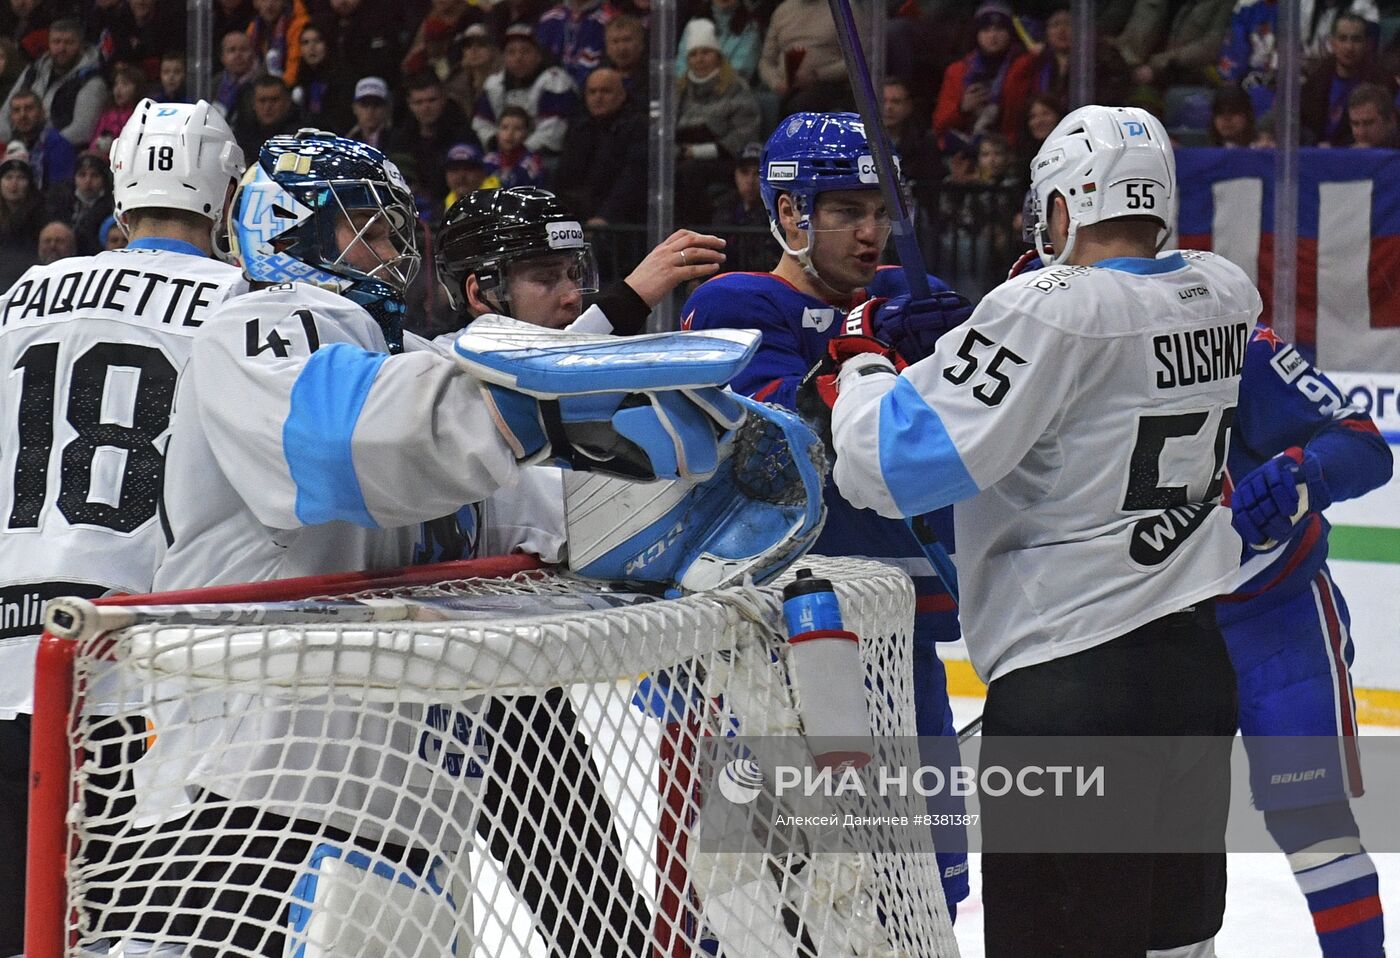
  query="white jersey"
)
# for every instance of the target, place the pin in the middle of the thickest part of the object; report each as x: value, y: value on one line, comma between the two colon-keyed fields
x: 93, y: 348
x: 1080, y: 419
x: 303, y: 449
x: 527, y: 516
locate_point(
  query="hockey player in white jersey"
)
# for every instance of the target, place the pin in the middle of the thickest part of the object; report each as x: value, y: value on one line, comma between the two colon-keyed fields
x: 1080, y: 421
x: 95, y: 346
x: 311, y: 442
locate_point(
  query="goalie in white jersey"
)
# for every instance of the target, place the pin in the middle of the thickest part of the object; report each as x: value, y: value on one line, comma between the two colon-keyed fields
x: 95, y: 346
x: 1080, y: 420
x: 311, y: 441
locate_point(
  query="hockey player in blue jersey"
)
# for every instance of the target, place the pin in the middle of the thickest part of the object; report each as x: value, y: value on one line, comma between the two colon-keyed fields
x: 826, y: 211
x: 1298, y: 446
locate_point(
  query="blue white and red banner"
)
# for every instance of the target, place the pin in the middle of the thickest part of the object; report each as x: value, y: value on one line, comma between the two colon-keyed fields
x: 1348, y: 283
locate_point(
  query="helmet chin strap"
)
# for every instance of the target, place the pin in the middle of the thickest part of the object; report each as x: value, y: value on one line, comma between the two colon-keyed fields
x: 1042, y: 244
x: 803, y: 257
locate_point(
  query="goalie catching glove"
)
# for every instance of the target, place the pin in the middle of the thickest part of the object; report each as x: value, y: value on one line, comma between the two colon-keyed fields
x: 643, y: 408
x: 816, y: 394
x: 757, y: 514
x: 1273, y: 499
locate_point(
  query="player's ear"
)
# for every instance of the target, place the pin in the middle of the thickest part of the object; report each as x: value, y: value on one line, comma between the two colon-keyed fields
x: 787, y: 213
x: 475, y: 304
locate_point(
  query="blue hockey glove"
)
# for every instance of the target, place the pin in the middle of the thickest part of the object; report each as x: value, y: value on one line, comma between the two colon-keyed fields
x: 675, y: 434
x: 1028, y: 262
x: 1270, y: 502
x: 759, y: 512
x: 911, y: 326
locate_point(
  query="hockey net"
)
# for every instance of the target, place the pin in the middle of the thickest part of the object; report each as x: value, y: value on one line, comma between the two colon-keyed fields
x: 523, y: 781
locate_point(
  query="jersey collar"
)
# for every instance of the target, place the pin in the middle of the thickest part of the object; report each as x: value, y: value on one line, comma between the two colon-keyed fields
x: 1143, y: 265
x: 167, y: 245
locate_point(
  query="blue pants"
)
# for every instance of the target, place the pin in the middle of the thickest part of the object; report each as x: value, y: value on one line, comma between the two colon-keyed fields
x: 1293, y: 659
x: 934, y: 717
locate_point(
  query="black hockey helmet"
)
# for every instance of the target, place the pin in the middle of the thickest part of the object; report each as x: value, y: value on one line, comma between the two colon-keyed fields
x: 487, y: 230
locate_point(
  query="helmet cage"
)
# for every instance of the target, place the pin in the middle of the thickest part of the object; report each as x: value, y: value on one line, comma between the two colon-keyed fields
x: 391, y: 207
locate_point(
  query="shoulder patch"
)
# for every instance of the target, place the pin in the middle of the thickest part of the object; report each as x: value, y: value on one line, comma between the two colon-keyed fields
x: 1288, y: 363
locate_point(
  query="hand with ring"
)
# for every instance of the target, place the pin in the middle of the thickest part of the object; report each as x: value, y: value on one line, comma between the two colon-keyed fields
x: 661, y: 271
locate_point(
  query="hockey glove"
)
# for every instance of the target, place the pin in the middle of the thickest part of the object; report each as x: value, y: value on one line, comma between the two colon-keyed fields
x: 911, y: 326
x: 816, y: 394
x: 674, y: 434
x: 1028, y: 262
x: 759, y: 512
x: 1270, y: 502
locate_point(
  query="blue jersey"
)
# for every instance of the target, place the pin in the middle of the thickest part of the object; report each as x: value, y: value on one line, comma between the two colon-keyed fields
x: 796, y: 328
x: 1286, y: 403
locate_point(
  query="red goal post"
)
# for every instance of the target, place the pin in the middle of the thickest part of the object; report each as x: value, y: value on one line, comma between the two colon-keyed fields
x: 725, y: 642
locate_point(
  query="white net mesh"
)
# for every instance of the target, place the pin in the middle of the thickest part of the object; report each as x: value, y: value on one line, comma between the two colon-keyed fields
x: 485, y: 786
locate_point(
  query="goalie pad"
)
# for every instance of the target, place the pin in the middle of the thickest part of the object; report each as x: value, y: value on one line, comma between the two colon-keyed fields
x: 758, y: 513
x: 550, y: 363
x: 355, y: 904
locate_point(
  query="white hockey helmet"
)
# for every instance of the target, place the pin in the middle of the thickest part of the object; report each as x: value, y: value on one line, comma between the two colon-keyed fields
x: 176, y: 156
x: 1107, y: 162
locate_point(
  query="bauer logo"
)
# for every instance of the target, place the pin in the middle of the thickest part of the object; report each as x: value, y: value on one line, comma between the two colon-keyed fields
x: 740, y: 781
x: 782, y: 172
x: 1053, y: 158
x: 566, y: 235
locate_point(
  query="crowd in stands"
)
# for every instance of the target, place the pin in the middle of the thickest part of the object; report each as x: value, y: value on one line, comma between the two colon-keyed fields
x: 471, y: 93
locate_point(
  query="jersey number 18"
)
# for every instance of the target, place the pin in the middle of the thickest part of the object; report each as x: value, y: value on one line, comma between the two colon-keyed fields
x: 143, y: 465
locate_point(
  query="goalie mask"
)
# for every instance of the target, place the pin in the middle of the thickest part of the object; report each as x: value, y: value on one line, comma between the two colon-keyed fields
x: 810, y: 154
x: 318, y: 208
x: 503, y: 235
x: 1107, y: 163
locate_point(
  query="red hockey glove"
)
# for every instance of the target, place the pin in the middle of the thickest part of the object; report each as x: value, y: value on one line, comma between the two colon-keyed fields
x: 816, y: 394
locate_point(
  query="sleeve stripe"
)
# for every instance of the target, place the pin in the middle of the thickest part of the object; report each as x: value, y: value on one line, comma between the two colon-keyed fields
x: 316, y: 439
x: 920, y: 465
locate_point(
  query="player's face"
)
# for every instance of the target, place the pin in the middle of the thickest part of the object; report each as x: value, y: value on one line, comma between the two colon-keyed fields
x: 849, y: 229
x: 367, y: 242
x: 544, y: 290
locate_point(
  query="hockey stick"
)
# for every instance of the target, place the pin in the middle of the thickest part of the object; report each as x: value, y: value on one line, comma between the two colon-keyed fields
x: 906, y: 244
x: 969, y: 730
